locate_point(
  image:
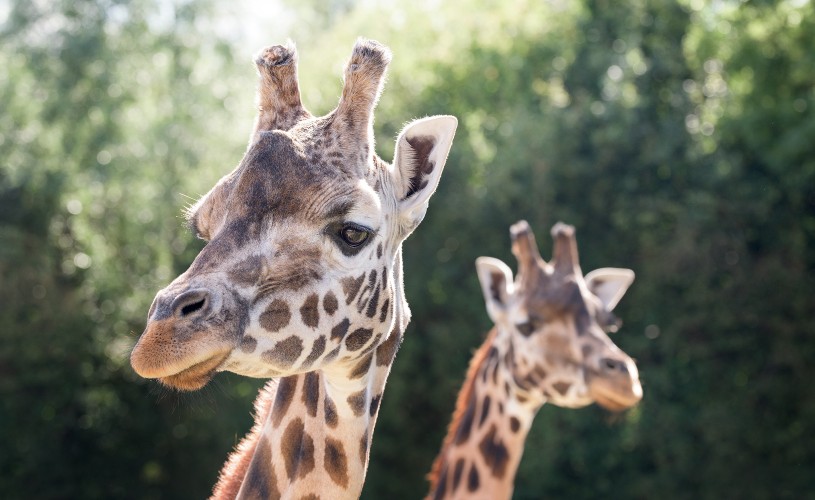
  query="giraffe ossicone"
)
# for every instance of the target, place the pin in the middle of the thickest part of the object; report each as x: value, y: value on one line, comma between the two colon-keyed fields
x: 549, y: 345
x: 301, y: 278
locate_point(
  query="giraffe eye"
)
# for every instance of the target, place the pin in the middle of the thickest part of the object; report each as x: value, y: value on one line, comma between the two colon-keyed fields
x: 353, y: 235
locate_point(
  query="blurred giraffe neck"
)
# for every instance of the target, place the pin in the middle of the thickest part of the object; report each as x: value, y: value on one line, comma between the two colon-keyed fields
x: 485, y: 440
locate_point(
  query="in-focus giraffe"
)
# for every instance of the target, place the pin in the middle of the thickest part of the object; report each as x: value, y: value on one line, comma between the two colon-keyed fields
x: 549, y: 345
x: 301, y: 280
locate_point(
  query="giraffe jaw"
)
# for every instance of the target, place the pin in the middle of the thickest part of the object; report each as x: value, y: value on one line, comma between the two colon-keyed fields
x: 197, y: 375
x: 614, y: 400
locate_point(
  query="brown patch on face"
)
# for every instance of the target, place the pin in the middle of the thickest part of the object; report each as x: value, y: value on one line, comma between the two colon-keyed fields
x: 358, y: 338
x: 261, y: 481
x: 331, y: 356
x: 514, y: 424
x: 246, y: 271
x: 373, y: 303
x: 310, y: 312
x: 362, y: 367
x: 330, y: 410
x: 561, y: 387
x: 248, y: 344
x: 357, y: 402
x: 386, y: 351
x: 372, y: 345
x: 330, y: 303
x: 285, y: 353
x: 383, y: 314
x: 311, y: 392
x: 351, y: 286
x: 472, y: 479
x: 336, y: 462
x: 276, y: 316
x: 341, y: 328
x: 283, y: 398
x: 297, y: 448
x: 494, y: 452
x: 316, y: 351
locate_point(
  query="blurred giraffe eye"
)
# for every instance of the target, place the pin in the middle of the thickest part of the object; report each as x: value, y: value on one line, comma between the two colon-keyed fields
x: 354, y: 235
x: 525, y: 328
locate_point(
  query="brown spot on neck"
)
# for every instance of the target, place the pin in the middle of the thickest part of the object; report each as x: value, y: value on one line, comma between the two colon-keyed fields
x: 297, y: 448
x: 283, y: 398
x: 260, y: 480
x: 494, y: 452
x: 357, y: 402
x: 336, y: 462
x: 330, y: 410
x: 311, y: 392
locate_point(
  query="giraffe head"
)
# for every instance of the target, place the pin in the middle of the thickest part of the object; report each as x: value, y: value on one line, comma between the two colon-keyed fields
x: 557, y: 321
x: 302, y: 267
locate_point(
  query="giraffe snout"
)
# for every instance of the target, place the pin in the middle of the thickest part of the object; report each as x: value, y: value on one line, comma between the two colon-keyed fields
x: 189, y: 333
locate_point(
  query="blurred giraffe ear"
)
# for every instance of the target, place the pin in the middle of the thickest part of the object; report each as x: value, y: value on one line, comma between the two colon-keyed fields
x: 421, y: 151
x: 496, y: 285
x: 609, y: 284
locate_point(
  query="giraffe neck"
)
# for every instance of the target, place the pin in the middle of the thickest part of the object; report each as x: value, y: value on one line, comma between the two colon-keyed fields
x: 313, y: 430
x: 485, y: 440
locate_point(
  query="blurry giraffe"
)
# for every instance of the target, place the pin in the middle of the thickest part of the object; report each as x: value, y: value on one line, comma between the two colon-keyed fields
x: 549, y: 344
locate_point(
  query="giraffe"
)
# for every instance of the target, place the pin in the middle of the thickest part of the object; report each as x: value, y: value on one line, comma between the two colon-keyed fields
x: 548, y: 345
x: 301, y: 279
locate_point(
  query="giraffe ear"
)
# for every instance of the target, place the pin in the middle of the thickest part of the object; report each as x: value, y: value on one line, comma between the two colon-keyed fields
x: 609, y: 284
x: 496, y: 285
x: 421, y: 151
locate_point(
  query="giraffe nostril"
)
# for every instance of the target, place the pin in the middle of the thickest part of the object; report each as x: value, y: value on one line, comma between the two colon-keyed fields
x: 614, y: 365
x: 191, y: 308
x: 189, y: 303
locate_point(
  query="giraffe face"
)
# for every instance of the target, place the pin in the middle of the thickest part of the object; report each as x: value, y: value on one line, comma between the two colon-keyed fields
x: 302, y: 267
x: 557, y: 321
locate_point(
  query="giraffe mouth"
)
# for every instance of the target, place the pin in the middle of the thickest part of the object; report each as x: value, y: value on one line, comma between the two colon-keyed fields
x: 613, y: 401
x: 197, y: 375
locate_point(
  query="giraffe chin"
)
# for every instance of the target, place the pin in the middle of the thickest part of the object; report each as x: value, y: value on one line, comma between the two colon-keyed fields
x: 196, y: 376
x: 614, y: 402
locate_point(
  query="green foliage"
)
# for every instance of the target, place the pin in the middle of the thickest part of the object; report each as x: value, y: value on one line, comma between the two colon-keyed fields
x: 677, y: 138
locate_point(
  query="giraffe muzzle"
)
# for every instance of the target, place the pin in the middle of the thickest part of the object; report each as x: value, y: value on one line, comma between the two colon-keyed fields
x: 190, y: 332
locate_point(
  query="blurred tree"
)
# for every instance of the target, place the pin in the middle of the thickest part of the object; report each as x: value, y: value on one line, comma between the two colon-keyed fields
x: 676, y: 137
